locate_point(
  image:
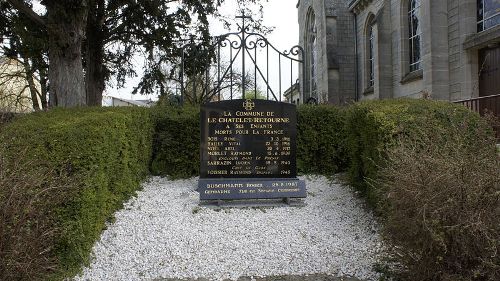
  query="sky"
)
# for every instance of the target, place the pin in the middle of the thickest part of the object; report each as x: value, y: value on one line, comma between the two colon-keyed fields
x: 280, y: 14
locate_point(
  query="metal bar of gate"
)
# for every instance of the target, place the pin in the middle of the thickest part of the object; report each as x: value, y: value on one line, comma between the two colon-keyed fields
x: 267, y: 82
x: 218, y: 71
x: 279, y: 65
x: 267, y: 68
x: 255, y: 73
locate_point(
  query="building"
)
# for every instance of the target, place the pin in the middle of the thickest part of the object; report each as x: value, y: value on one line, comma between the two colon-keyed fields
x: 292, y: 94
x: 327, y: 36
x: 116, y: 101
x: 378, y: 49
x: 15, y: 93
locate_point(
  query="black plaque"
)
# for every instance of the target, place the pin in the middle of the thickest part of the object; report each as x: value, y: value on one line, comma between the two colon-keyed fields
x: 252, y: 144
x: 214, y: 189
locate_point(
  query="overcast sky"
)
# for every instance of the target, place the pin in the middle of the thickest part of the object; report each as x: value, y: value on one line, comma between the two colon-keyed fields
x: 280, y: 14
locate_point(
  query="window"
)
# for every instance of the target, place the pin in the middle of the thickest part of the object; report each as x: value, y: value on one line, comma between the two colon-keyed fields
x: 311, y: 54
x: 314, y: 58
x: 371, y: 56
x: 488, y: 14
x: 414, y: 34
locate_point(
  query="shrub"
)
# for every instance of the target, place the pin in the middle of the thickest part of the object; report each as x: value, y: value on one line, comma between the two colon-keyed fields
x: 321, y: 140
x: 30, y: 193
x: 6, y: 117
x: 106, y: 151
x: 176, y: 148
x: 373, y: 127
x: 440, y: 192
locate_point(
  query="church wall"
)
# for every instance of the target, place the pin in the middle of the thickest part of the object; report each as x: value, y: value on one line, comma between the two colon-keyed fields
x: 463, y: 64
x: 336, y: 57
x: 322, y: 62
x: 341, y: 55
x: 449, y: 49
x: 402, y: 88
x: 382, y: 49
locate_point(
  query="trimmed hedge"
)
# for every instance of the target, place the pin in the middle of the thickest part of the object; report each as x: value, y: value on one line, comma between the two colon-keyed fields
x: 106, y: 152
x: 321, y: 140
x: 176, y: 148
x: 99, y: 156
x: 6, y: 117
x: 431, y: 171
x: 373, y: 127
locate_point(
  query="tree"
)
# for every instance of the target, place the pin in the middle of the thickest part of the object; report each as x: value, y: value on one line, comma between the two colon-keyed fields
x: 202, y: 87
x: 19, y: 91
x: 112, y: 31
x: 24, y: 44
x: 64, y: 25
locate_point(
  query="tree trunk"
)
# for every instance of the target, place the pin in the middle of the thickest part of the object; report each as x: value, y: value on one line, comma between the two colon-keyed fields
x: 44, y: 88
x: 66, y: 22
x: 31, y: 84
x: 95, y: 72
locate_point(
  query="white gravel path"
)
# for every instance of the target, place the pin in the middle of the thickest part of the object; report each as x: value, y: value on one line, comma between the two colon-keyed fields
x: 162, y: 233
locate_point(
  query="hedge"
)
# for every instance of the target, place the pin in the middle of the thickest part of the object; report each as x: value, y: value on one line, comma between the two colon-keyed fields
x: 431, y: 171
x: 96, y: 159
x: 176, y: 148
x: 321, y: 140
x: 373, y: 127
x: 101, y: 154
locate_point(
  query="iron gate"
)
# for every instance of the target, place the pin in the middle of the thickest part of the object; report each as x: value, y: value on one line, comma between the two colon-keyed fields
x: 206, y: 75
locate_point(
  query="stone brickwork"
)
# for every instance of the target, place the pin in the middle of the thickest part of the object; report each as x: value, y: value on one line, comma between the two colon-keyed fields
x: 450, y: 45
x: 335, y: 48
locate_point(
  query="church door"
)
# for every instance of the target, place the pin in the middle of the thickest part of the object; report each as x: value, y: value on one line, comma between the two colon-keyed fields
x: 489, y: 78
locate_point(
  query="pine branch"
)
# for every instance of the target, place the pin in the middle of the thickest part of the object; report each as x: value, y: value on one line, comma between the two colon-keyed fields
x: 27, y: 11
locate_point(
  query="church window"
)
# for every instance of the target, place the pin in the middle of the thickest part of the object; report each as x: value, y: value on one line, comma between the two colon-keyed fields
x: 488, y: 14
x: 414, y: 34
x: 311, y: 54
x: 371, y: 56
x: 314, y: 58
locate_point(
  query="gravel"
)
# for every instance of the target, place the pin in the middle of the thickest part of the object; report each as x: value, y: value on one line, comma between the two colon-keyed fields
x: 163, y: 234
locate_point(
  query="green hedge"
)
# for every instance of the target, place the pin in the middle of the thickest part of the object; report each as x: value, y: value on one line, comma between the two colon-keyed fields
x: 103, y: 154
x: 321, y: 140
x: 431, y: 171
x: 374, y: 126
x: 106, y: 151
x: 176, y: 148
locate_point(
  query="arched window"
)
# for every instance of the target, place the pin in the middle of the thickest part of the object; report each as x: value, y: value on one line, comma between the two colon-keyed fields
x: 370, y: 52
x: 488, y: 14
x: 371, y: 56
x: 414, y: 34
x: 311, y: 54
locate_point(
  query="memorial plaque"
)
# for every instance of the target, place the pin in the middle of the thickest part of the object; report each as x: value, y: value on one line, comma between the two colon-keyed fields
x: 248, y: 150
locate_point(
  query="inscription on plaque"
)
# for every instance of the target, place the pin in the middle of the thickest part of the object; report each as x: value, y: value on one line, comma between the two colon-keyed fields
x: 252, y: 145
x: 248, y: 139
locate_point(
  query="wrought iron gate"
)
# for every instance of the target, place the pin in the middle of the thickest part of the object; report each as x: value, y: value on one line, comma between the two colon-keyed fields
x: 206, y: 76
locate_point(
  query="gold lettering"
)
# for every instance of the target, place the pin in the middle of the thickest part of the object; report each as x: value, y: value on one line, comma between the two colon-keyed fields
x: 261, y: 126
x: 217, y: 172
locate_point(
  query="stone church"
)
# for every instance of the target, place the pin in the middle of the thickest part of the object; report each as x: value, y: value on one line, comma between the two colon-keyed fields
x: 379, y: 49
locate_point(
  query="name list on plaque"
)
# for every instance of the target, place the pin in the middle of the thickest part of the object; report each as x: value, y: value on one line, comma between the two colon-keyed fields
x: 251, y: 145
